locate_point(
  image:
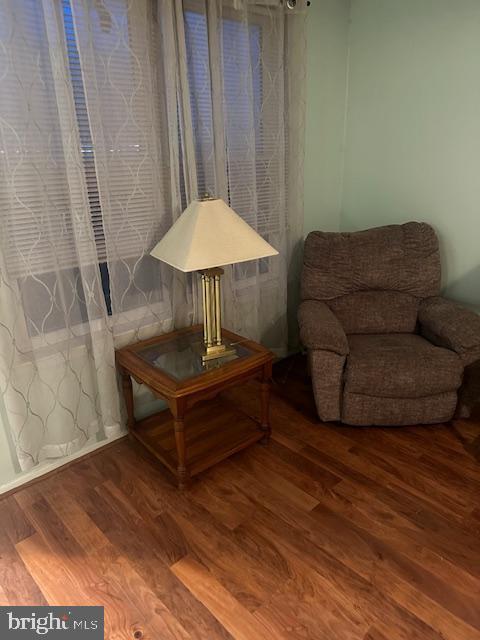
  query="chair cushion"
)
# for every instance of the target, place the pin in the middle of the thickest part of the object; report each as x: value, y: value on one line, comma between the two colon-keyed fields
x: 400, y: 366
x: 362, y: 410
x: 376, y: 312
x: 402, y: 258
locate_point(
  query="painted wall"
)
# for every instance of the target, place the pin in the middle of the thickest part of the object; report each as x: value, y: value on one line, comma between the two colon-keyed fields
x: 327, y: 29
x: 413, y: 127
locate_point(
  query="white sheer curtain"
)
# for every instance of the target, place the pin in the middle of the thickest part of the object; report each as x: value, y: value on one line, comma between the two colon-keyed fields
x: 245, y: 67
x: 56, y: 347
x: 113, y: 114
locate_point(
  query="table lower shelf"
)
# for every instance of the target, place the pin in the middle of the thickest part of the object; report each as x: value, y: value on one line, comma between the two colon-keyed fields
x: 214, y: 430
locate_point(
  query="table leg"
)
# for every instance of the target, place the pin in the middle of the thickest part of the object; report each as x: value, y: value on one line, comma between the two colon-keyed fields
x: 181, y: 452
x: 178, y: 408
x: 265, y: 403
x: 128, y: 395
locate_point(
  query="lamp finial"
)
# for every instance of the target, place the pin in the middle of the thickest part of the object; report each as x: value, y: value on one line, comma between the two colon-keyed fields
x: 206, y: 197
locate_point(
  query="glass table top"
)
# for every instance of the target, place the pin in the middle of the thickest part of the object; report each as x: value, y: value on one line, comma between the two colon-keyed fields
x: 180, y: 358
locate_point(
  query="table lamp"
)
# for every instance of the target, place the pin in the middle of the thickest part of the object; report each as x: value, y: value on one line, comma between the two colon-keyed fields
x: 208, y: 235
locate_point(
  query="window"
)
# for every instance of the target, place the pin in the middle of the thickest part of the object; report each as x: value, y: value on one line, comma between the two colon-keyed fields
x: 255, y: 163
x: 251, y: 113
x: 125, y: 160
x: 113, y: 47
x: 118, y: 45
x: 53, y: 298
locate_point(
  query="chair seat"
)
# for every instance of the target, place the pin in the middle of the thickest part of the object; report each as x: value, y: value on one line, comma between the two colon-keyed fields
x: 400, y: 365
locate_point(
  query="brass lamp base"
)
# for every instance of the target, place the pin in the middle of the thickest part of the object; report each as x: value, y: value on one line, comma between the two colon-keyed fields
x: 217, y: 351
x: 212, y: 317
x: 209, y: 355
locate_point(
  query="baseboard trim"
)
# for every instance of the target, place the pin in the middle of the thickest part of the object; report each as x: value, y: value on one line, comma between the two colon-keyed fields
x: 51, y: 468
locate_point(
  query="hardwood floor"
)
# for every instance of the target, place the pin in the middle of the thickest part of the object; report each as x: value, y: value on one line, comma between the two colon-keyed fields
x: 329, y: 532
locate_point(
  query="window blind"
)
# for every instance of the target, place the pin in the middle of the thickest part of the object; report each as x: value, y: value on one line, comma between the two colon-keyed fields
x: 196, y: 36
x: 118, y: 45
x: 35, y: 204
x: 252, y: 80
x: 111, y: 56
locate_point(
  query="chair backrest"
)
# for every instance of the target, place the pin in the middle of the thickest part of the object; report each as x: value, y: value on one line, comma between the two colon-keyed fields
x: 373, y: 280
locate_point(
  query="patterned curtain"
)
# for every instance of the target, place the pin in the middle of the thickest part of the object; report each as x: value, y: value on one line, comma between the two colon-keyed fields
x: 113, y: 115
x: 245, y: 88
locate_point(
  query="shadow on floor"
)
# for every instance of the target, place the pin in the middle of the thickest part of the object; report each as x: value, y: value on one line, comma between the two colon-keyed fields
x: 292, y: 383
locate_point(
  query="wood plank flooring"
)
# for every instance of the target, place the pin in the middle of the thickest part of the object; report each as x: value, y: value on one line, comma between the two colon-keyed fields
x: 328, y: 533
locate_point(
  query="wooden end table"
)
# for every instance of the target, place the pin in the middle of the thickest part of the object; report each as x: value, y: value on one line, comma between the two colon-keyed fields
x: 192, y: 435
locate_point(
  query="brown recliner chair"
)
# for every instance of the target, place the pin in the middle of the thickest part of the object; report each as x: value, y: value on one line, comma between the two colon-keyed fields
x: 383, y: 347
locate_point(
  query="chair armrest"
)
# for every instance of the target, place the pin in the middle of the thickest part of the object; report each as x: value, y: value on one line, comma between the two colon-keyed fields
x: 449, y: 325
x: 320, y: 328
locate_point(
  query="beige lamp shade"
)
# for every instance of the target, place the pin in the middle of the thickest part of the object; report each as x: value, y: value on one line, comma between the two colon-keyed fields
x: 210, y: 234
